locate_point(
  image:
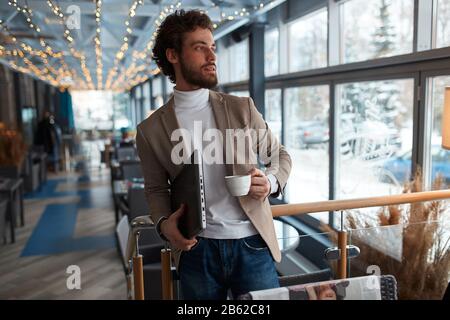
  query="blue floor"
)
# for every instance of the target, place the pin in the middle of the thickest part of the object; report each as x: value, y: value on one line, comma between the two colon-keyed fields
x: 54, y: 233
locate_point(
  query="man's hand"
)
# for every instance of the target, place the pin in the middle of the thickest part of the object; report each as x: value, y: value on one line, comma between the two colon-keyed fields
x: 169, y: 228
x: 260, y: 187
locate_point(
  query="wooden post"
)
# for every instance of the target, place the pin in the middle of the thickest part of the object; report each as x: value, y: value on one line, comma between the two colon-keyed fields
x: 138, y: 278
x: 342, y: 243
x: 166, y: 275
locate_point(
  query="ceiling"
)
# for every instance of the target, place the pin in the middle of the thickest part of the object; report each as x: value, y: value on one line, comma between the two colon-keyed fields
x: 100, y: 44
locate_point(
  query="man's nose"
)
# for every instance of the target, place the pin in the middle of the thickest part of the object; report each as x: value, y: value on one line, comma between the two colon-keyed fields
x: 211, y: 56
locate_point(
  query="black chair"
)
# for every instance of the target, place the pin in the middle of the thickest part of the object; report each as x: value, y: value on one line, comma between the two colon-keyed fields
x: 126, y: 153
x: 150, y: 245
x: 137, y: 203
x: 131, y: 169
x: 317, y: 276
x: 3, y: 206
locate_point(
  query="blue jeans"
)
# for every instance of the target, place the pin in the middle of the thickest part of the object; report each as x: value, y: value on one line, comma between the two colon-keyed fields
x: 213, y: 266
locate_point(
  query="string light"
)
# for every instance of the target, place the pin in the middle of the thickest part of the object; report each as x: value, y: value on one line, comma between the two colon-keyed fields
x: 224, y: 18
x: 124, y: 48
x: 123, y: 74
x: 98, y: 47
x: 28, y: 14
x: 70, y: 41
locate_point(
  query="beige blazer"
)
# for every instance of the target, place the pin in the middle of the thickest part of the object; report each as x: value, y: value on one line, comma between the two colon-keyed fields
x: 230, y: 112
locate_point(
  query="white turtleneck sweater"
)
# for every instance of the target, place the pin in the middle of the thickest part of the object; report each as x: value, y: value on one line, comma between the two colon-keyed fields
x: 225, y: 218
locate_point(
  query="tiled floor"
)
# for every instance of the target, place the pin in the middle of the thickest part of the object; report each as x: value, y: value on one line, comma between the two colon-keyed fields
x: 70, y: 221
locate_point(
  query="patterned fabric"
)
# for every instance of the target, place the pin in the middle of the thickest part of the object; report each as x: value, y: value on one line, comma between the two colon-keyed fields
x: 361, y: 288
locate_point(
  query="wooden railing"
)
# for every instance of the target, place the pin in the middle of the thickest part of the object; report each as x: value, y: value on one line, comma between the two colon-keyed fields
x: 290, y: 210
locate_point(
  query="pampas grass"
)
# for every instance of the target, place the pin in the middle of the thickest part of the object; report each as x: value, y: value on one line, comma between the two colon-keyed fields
x: 423, y: 272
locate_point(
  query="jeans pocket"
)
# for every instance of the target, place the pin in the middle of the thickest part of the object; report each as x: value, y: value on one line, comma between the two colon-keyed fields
x: 255, y: 243
x: 196, y: 245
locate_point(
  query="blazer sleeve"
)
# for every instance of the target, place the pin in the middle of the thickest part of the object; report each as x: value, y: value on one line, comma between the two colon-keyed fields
x: 156, y: 179
x: 271, y: 153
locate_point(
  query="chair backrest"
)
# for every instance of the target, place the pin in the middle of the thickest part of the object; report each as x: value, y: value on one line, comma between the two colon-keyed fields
x: 360, y: 288
x: 131, y: 169
x: 137, y: 203
x: 311, y: 277
x: 122, y: 231
x: 126, y: 153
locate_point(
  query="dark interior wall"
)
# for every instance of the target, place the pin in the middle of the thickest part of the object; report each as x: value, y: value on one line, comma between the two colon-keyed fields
x: 7, y: 98
x: 19, y: 90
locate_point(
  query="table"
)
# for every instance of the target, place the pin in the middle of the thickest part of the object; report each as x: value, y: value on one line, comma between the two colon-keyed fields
x: 13, y: 189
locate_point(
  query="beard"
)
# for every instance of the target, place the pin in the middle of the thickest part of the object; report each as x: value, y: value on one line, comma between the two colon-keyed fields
x: 195, y: 77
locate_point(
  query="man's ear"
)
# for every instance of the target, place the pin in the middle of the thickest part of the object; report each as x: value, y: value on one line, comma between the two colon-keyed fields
x: 172, y: 55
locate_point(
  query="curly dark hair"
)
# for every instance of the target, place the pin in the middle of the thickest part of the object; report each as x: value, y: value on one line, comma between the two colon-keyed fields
x: 170, y: 36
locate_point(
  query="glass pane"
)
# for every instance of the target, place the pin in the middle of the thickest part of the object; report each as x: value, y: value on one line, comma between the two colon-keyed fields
x: 92, y: 109
x: 239, y: 52
x: 440, y: 158
x: 273, y: 111
x: 157, y: 86
x: 416, y: 254
x: 376, y: 28
x: 297, y: 258
x: 169, y: 86
x: 146, y: 100
x: 157, y: 92
x: 272, y: 52
x: 222, y: 63
x: 443, y: 23
x: 375, y: 137
x: 307, y: 139
x: 308, y: 39
x: 120, y: 107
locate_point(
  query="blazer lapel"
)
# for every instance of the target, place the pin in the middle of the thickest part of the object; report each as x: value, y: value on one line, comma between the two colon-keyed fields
x: 222, y: 118
x: 170, y: 124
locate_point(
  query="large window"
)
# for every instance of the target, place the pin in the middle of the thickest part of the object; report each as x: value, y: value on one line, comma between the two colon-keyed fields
x: 308, y: 38
x: 307, y: 138
x: 146, y: 99
x: 92, y: 109
x: 169, y: 86
x: 158, y: 100
x: 271, y: 52
x: 376, y: 28
x: 273, y: 111
x: 437, y: 159
x: 442, y: 23
x: 375, y: 137
x: 239, y: 63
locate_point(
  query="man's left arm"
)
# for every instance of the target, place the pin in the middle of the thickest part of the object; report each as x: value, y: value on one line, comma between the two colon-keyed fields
x: 272, y: 154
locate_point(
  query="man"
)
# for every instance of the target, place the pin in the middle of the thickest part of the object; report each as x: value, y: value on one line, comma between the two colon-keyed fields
x: 237, y: 250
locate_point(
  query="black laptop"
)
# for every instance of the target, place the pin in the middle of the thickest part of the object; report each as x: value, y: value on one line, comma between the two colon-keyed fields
x: 188, y: 188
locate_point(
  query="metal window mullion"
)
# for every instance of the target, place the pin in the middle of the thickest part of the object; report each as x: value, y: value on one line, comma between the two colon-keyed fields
x: 334, y: 30
x: 424, y: 25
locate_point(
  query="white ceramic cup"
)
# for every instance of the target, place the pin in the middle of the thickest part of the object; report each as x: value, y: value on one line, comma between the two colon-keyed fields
x: 238, y: 185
